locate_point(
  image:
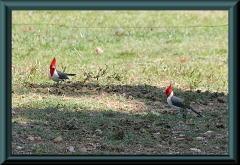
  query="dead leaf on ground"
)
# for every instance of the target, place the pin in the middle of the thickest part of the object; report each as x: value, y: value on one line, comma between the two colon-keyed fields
x: 195, y: 150
x: 71, y: 149
x: 209, y: 134
x: 58, y: 139
x: 13, y: 112
x: 199, y: 138
x: 19, y: 148
x: 37, y: 138
x: 83, y: 149
x: 30, y: 138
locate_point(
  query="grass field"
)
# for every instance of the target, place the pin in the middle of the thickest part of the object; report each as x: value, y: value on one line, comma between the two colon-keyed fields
x: 116, y: 104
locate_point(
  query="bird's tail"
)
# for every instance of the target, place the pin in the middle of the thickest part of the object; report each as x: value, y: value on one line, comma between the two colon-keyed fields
x: 188, y: 107
x: 69, y: 74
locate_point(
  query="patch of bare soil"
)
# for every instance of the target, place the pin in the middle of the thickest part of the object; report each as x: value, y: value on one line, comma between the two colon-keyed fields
x: 151, y: 93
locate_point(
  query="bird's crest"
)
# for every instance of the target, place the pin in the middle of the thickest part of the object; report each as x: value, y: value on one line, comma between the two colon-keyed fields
x: 53, y: 66
x: 168, y: 90
x: 54, y: 61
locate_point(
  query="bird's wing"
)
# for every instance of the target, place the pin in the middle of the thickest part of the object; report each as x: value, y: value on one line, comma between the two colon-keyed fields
x: 179, y: 103
x: 176, y: 101
x: 62, y: 75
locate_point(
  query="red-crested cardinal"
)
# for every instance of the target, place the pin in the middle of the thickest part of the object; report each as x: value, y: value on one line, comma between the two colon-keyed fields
x: 177, y: 103
x: 57, y: 75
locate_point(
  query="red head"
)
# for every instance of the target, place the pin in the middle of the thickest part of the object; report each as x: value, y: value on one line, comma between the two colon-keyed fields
x: 168, y: 90
x: 53, y: 66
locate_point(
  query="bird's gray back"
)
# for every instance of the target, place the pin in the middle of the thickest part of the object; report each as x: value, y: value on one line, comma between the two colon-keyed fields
x: 177, y: 101
x: 62, y: 75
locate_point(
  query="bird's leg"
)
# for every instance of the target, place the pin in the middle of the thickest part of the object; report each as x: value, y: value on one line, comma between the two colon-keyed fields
x: 184, y: 114
x: 57, y: 84
x: 60, y: 82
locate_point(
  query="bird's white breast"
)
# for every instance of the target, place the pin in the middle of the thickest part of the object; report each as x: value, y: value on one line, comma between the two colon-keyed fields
x: 55, y: 76
x: 169, y: 101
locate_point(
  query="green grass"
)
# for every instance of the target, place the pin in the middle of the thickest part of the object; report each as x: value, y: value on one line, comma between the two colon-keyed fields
x: 120, y: 91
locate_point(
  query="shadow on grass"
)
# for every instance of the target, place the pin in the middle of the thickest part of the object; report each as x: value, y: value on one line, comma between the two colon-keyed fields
x: 112, y: 132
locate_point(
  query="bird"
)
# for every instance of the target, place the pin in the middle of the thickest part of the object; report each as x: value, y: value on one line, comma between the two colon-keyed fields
x: 57, y: 75
x: 177, y: 103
